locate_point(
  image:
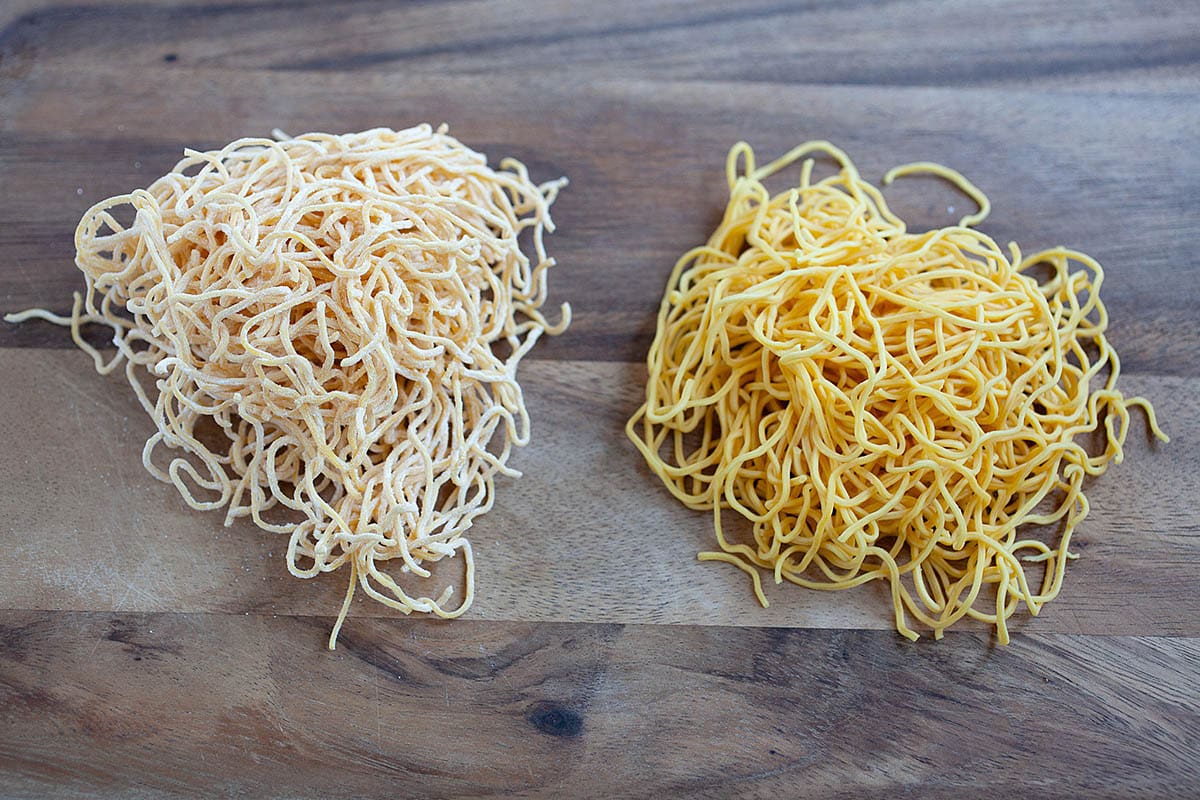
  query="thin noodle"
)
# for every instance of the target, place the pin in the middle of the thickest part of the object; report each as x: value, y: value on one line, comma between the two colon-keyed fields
x: 878, y: 404
x: 317, y: 318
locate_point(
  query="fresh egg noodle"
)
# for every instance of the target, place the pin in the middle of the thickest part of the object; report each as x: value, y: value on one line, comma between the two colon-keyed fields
x: 879, y: 404
x: 332, y: 327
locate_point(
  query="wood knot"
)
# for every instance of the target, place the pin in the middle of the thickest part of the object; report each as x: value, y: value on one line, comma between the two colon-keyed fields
x: 554, y: 720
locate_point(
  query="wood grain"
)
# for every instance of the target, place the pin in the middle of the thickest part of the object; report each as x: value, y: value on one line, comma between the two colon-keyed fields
x: 646, y: 160
x: 146, y: 651
x: 587, y: 535
x: 476, y: 709
x: 1125, y: 44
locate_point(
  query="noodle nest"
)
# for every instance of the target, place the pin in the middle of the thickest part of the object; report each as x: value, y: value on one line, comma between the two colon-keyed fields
x: 879, y: 404
x: 331, y: 326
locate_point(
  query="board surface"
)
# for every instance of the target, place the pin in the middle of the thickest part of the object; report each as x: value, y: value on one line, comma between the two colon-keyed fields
x: 147, y: 651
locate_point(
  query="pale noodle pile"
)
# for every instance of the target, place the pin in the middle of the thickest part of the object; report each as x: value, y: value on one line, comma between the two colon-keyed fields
x: 331, y: 304
x: 881, y: 404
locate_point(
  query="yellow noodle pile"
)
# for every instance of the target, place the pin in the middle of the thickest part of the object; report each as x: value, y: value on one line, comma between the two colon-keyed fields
x: 318, y: 316
x: 881, y: 404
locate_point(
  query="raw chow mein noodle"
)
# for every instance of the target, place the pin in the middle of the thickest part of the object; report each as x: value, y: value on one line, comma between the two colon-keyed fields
x: 882, y: 404
x: 331, y: 326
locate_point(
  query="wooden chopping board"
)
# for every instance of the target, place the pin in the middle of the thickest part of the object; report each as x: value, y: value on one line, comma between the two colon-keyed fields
x: 146, y: 651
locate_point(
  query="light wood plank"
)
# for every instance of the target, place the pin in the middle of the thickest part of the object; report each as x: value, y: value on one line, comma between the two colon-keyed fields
x: 586, y: 535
